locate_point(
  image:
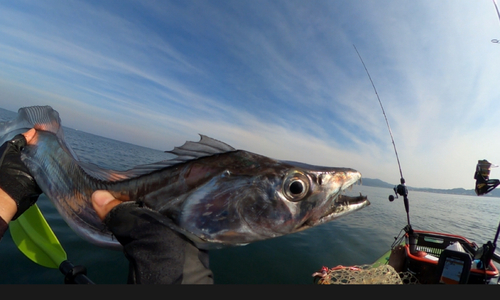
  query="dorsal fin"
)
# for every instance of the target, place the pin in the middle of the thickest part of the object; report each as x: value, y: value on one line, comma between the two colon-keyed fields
x: 190, y: 150
x: 47, y: 119
x: 205, y: 147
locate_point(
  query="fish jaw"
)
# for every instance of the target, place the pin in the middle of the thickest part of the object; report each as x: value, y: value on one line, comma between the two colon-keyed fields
x: 342, y: 206
x: 326, y: 202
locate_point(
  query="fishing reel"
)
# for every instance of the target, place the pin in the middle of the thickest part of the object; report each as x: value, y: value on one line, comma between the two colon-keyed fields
x: 400, y: 189
x: 484, y: 184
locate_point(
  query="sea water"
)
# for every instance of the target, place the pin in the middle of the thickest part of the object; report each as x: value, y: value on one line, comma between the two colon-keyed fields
x: 358, y: 238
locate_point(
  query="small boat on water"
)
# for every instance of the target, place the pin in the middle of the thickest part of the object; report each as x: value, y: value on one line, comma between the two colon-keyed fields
x: 426, y: 257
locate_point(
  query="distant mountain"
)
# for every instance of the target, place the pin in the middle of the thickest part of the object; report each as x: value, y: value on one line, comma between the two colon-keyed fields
x: 376, y: 183
x: 455, y: 191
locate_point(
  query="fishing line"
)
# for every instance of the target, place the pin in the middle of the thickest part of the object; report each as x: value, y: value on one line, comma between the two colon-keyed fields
x: 383, y: 111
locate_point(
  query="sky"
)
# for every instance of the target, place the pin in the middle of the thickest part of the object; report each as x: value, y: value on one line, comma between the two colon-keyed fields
x: 280, y: 78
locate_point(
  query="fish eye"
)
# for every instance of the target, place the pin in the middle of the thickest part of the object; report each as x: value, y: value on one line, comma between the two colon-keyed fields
x: 296, y: 186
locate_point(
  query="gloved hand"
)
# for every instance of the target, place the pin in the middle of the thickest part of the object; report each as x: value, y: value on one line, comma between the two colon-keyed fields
x: 157, y: 254
x: 15, y: 178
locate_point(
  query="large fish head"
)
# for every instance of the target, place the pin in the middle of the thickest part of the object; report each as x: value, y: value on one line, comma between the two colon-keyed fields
x: 302, y: 197
x: 257, y: 198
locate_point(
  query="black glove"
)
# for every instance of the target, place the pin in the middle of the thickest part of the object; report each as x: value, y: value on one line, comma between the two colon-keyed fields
x: 15, y: 178
x: 156, y: 253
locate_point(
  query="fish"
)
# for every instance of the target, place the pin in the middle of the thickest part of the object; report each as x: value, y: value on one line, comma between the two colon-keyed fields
x: 212, y: 193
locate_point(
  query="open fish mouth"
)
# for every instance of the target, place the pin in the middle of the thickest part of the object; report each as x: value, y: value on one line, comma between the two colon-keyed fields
x: 341, y: 206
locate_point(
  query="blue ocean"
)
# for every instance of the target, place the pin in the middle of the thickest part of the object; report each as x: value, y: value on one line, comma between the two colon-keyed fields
x: 359, y: 238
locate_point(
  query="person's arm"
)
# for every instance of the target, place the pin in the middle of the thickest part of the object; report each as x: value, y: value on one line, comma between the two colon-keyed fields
x: 18, y: 189
x: 156, y: 254
x: 8, y: 209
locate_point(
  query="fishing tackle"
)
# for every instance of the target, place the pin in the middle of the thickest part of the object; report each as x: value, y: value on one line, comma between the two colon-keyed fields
x: 484, y: 184
x: 400, y: 189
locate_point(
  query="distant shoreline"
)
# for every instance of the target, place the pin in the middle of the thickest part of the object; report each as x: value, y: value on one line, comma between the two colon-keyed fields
x: 455, y: 191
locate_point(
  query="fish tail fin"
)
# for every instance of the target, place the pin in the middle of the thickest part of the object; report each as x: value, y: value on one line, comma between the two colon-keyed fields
x: 41, y: 118
x: 38, y: 117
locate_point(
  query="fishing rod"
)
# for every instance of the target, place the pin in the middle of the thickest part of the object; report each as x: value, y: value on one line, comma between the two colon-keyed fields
x: 498, y: 14
x: 483, y: 185
x: 401, y: 188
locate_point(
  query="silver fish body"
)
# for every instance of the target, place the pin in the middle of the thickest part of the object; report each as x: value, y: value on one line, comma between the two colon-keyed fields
x: 212, y: 193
